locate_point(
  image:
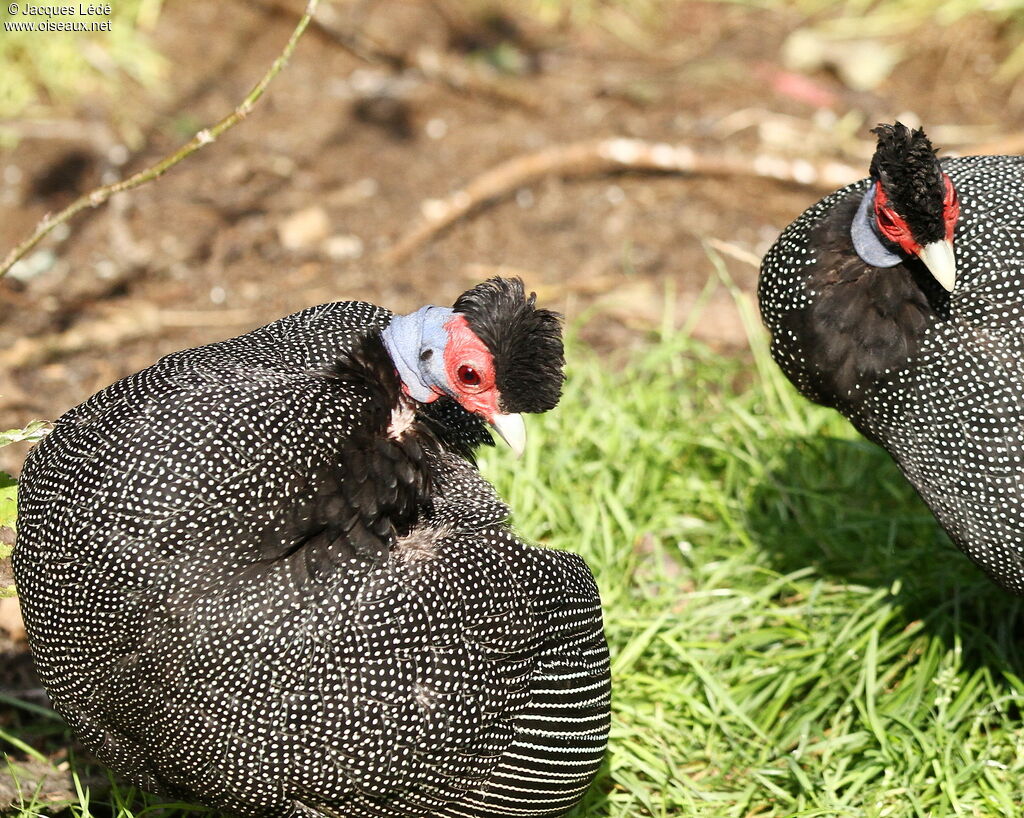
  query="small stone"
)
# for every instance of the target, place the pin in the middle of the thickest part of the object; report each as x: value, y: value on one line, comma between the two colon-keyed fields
x: 106, y: 269
x: 30, y: 267
x: 304, y: 228
x: 354, y: 193
x: 343, y: 247
x: 525, y: 198
x: 437, y: 128
x: 118, y: 155
x: 281, y: 165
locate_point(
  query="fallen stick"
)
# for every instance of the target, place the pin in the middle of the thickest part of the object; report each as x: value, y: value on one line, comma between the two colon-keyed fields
x: 606, y: 156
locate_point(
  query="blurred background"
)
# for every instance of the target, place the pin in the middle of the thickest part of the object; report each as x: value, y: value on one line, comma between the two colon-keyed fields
x: 390, y: 106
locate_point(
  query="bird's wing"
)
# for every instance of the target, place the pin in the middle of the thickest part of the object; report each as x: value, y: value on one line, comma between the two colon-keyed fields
x: 198, y: 457
x: 155, y: 496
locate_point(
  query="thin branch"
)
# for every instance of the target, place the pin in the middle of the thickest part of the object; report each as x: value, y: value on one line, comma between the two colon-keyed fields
x: 202, y: 138
x: 606, y: 156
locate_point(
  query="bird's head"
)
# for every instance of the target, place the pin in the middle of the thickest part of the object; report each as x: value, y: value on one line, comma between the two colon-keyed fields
x: 494, y: 352
x: 911, y: 207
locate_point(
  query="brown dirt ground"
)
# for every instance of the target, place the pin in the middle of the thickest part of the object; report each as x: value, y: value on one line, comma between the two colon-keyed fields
x: 197, y: 256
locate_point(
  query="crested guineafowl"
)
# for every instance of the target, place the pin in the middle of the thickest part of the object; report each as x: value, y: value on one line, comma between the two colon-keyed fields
x: 265, y: 575
x: 899, y: 301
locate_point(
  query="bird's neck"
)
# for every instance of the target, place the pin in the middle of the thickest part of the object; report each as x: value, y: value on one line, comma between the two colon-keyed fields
x: 862, y: 322
x: 415, y: 344
x: 441, y: 424
x: 868, y: 242
x: 388, y: 456
x: 368, y: 369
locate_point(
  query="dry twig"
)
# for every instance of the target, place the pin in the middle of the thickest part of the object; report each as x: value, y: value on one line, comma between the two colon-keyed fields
x: 733, y: 251
x: 605, y: 156
x: 204, y: 137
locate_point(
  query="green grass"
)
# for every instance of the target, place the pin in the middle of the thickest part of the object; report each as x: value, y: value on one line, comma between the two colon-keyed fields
x: 791, y: 633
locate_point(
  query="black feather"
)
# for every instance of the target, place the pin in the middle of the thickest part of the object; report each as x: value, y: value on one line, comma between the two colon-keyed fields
x: 863, y: 321
x: 459, y: 431
x: 526, y: 343
x: 911, y: 176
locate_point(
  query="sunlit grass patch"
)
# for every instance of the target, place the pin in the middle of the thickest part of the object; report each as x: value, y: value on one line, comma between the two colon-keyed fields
x: 791, y: 632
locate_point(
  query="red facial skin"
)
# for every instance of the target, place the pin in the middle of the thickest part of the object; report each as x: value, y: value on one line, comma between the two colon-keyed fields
x: 895, y: 228
x: 950, y: 207
x: 470, y: 370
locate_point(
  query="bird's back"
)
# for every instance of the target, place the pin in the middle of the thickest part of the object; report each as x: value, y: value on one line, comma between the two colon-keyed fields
x: 203, y: 616
x: 951, y: 413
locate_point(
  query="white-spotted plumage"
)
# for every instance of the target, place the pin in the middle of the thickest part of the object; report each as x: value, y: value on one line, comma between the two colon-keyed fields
x: 193, y: 652
x: 952, y: 413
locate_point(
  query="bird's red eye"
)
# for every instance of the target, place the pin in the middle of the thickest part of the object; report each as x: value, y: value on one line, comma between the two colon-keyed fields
x: 469, y: 376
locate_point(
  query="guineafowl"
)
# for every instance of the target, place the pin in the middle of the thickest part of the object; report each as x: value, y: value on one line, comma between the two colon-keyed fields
x: 265, y: 575
x: 899, y: 301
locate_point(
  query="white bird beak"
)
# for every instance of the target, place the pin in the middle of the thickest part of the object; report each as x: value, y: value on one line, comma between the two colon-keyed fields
x: 940, y: 260
x: 512, y: 431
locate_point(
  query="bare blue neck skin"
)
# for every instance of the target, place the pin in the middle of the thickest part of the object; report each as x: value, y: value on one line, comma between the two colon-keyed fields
x: 416, y: 344
x: 865, y: 236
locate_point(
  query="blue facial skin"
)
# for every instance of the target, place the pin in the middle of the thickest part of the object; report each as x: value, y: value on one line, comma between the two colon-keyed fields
x: 416, y: 343
x: 865, y: 238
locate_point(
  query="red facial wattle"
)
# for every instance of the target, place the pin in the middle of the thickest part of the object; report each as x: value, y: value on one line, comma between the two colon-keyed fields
x: 469, y: 367
x: 892, y: 225
x: 895, y: 228
x: 950, y: 207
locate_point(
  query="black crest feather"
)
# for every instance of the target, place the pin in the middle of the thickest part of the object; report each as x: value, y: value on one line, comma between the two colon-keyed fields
x: 906, y: 165
x: 526, y: 343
